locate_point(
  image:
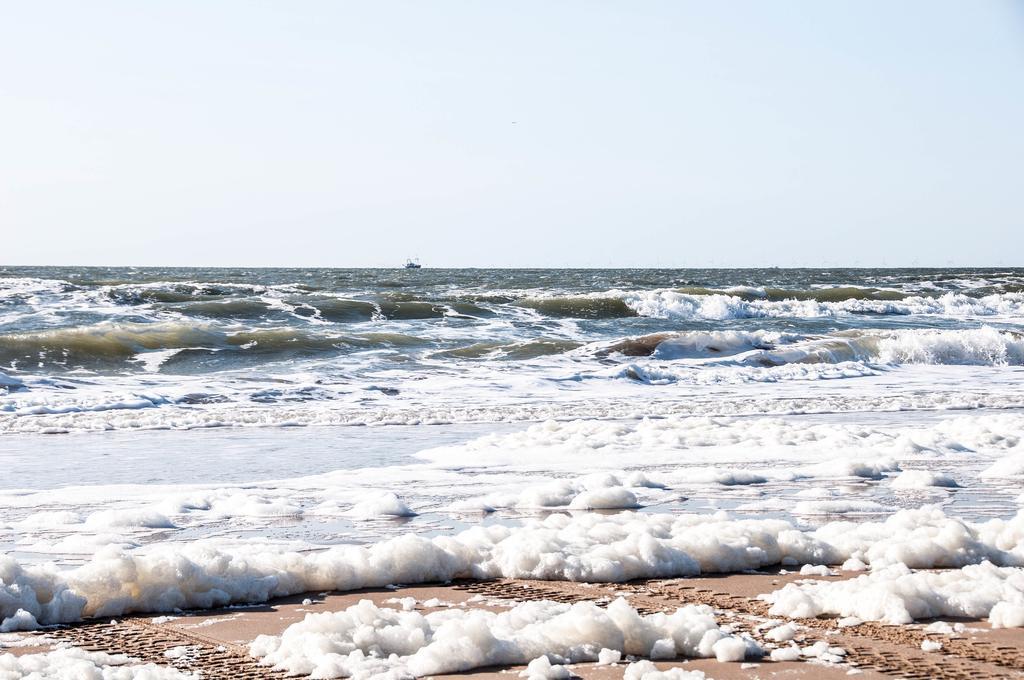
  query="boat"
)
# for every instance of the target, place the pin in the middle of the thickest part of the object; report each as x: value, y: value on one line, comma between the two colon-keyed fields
x: 412, y: 264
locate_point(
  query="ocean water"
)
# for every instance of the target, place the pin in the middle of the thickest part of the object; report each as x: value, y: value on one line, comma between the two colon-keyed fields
x: 98, y: 349
x: 146, y: 409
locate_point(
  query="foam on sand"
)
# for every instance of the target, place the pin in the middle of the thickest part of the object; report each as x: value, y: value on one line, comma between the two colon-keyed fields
x: 76, y: 663
x: 366, y: 640
x: 1007, y: 614
x: 583, y: 547
x: 895, y: 594
x: 645, y: 670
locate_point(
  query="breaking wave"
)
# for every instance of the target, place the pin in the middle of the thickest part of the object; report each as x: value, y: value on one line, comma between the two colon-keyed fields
x: 728, y: 356
x: 832, y: 294
x: 694, y: 344
x: 672, y: 304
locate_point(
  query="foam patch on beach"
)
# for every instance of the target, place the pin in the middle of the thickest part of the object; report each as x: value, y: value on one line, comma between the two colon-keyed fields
x: 78, y: 663
x: 365, y: 640
x: 583, y: 547
x: 896, y: 594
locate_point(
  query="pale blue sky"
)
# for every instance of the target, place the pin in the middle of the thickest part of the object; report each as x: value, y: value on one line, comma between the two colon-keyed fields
x: 512, y: 134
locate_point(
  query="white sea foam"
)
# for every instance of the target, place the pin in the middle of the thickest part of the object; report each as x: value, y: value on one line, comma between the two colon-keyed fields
x: 49, y: 520
x: 670, y: 304
x: 68, y: 663
x: 896, y: 594
x: 983, y: 346
x: 365, y: 640
x: 820, y: 449
x: 128, y: 518
x: 646, y: 670
x: 788, y: 653
x: 599, y: 491
x: 234, y: 504
x: 585, y: 547
x: 1007, y: 467
x: 1008, y: 614
x: 610, y: 498
x: 922, y: 479
x: 541, y: 668
x: 782, y: 633
x: 659, y: 374
x: 840, y: 507
x: 381, y: 505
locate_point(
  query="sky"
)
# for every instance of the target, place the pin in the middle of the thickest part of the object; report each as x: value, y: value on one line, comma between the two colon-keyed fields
x: 506, y: 134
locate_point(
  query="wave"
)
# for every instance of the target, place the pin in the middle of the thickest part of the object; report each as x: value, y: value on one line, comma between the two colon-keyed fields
x: 581, y: 307
x: 698, y: 303
x: 693, y: 344
x: 118, y: 343
x: 337, y: 310
x: 409, y: 311
x: 830, y: 294
x: 672, y: 304
x: 983, y: 346
x: 127, y: 293
x: 510, y: 350
x: 341, y: 310
x: 975, y: 347
x: 255, y: 304
x: 654, y: 374
x: 243, y: 308
x: 698, y: 350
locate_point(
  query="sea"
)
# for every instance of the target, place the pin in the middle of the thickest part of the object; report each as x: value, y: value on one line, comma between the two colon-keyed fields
x: 304, y: 408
